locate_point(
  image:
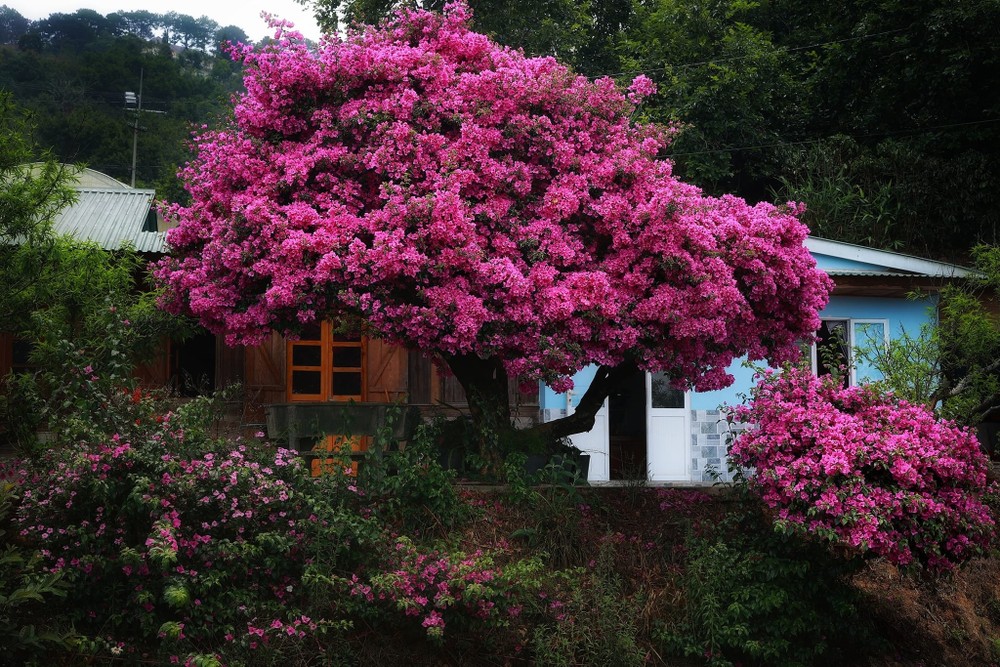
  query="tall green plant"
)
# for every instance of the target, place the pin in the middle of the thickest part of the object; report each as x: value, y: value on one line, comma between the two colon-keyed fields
x: 90, y: 325
x: 33, y: 189
x: 753, y: 596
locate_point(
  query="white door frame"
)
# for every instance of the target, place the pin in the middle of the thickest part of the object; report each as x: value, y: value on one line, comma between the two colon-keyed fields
x: 668, y: 436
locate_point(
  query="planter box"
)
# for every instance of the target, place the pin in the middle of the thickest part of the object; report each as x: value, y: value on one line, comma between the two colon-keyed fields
x: 295, y: 422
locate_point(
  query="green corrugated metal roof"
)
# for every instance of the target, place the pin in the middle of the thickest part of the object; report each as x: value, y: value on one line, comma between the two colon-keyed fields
x: 111, y: 217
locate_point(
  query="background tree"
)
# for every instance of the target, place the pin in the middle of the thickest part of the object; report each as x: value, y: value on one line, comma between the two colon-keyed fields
x: 79, y: 103
x: 725, y: 83
x: 951, y: 367
x: 581, y: 34
x: 33, y: 188
x: 492, y: 210
x: 12, y: 25
x: 229, y: 33
x: 140, y: 23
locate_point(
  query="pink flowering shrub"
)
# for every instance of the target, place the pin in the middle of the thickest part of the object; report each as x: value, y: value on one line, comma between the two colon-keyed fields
x: 174, y: 539
x: 471, y: 202
x: 864, y: 470
x: 434, y: 587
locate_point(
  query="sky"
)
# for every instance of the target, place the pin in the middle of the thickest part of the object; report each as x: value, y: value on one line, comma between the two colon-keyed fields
x: 242, y: 13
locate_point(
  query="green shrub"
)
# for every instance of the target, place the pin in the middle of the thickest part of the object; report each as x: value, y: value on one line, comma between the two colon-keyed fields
x: 171, y: 541
x: 594, y: 623
x: 407, y: 484
x: 756, y: 597
x: 29, y: 623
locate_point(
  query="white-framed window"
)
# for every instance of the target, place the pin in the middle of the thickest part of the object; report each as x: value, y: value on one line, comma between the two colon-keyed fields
x: 839, y: 338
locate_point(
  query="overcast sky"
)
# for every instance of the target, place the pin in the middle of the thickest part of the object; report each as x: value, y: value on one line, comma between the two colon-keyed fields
x: 242, y: 13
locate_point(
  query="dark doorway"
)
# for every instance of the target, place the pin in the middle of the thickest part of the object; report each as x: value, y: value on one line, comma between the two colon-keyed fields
x: 194, y: 365
x: 627, y: 429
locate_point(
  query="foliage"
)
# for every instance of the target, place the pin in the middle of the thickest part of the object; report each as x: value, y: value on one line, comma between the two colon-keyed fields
x: 73, y: 69
x: 31, y: 193
x: 174, y: 538
x: 491, y: 209
x: 950, y: 367
x: 754, y: 596
x: 596, y: 623
x: 909, y: 366
x: 558, y: 512
x: 438, y: 588
x: 724, y: 80
x: 409, y: 485
x: 90, y: 326
x: 578, y: 33
x: 869, y: 473
x: 27, y: 627
x: 848, y: 198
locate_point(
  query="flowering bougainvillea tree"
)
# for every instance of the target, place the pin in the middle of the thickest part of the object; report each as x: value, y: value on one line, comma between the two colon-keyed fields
x: 865, y: 470
x: 497, y: 212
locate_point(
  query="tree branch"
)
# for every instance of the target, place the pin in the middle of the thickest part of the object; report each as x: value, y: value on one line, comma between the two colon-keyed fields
x: 608, y: 379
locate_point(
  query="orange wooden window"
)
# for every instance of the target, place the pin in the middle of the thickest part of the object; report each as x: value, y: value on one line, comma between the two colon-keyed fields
x: 326, y: 365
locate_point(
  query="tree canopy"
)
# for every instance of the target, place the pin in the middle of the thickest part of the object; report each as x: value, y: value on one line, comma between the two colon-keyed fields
x: 494, y: 210
x: 881, y: 116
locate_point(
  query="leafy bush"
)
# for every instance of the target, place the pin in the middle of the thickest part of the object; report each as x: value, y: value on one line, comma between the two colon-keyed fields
x: 26, y: 627
x: 595, y: 622
x: 84, y: 388
x: 865, y: 471
x: 408, y: 484
x: 757, y: 597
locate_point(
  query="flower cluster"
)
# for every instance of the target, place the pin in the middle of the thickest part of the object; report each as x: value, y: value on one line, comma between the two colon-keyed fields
x: 202, y: 543
x: 866, y: 471
x: 464, y: 199
x: 433, y: 585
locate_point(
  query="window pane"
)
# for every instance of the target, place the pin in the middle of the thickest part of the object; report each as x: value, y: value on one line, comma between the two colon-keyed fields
x: 833, y: 348
x: 306, y: 382
x: 868, y: 334
x: 347, y: 384
x: 307, y: 355
x: 21, y: 351
x: 312, y: 332
x: 347, y: 357
x: 665, y: 396
x: 347, y: 337
x: 868, y: 337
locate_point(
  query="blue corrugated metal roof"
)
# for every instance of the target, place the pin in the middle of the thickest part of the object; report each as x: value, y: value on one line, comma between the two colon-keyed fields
x: 110, y: 218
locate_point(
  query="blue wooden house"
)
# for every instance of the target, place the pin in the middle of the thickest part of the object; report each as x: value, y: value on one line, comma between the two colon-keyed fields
x: 648, y: 430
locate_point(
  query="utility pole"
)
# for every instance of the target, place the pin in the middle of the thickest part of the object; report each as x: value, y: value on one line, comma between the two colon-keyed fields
x: 136, y: 101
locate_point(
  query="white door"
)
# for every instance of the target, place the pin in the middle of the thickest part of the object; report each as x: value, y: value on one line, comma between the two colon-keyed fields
x: 667, y: 430
x: 595, y: 443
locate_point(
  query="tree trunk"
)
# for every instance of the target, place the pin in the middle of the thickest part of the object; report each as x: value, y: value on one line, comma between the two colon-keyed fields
x: 607, y: 380
x: 486, y: 386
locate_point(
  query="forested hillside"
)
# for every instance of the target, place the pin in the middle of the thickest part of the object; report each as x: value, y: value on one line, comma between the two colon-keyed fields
x: 73, y: 70
x: 883, y: 116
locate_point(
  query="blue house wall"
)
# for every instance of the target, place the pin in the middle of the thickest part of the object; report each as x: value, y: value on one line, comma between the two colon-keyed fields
x: 707, y: 427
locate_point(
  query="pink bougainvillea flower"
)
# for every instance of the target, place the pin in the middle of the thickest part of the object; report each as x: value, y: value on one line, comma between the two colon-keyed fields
x: 466, y: 200
x: 864, y: 470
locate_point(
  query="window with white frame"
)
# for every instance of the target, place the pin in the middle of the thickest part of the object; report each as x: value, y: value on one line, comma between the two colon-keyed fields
x: 837, y: 343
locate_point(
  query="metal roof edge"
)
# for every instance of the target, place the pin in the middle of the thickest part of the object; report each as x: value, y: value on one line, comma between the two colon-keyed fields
x: 887, y: 258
